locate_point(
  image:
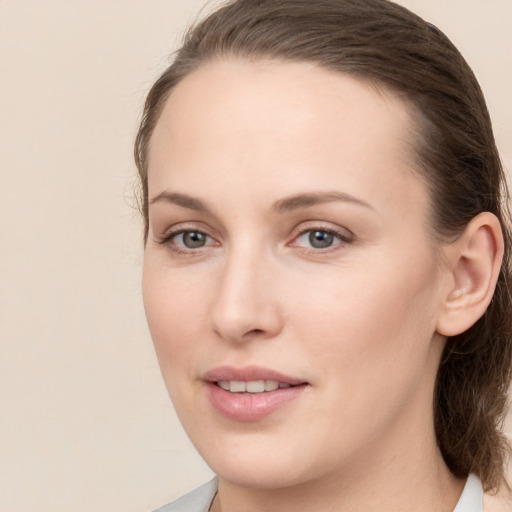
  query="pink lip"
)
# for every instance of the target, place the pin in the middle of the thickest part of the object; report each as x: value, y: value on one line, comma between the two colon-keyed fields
x: 248, y: 407
x: 249, y: 373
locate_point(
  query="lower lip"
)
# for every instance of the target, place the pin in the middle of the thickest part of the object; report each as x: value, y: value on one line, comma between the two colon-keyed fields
x: 251, y: 406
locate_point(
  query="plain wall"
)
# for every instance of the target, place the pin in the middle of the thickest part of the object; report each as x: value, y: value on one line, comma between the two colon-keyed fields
x: 85, y: 421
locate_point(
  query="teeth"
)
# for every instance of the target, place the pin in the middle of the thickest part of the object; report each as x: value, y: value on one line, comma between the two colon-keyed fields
x: 236, y: 386
x: 255, y: 386
x: 224, y: 384
x: 270, y: 385
x: 252, y: 386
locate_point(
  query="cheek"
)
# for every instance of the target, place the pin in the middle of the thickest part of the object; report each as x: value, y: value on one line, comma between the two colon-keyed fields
x: 371, y: 328
x: 368, y: 343
x: 176, y: 308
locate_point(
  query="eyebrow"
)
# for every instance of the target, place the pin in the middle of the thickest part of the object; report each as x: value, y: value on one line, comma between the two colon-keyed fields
x: 183, y: 200
x: 308, y: 199
x: 287, y: 204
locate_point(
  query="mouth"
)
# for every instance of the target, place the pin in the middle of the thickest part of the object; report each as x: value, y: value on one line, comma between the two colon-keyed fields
x: 252, y: 386
x: 251, y: 393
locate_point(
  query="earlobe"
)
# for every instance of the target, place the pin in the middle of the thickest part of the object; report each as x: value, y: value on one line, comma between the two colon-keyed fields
x: 474, y: 263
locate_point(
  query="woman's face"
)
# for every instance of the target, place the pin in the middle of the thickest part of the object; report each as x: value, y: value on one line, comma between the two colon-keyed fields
x: 288, y: 248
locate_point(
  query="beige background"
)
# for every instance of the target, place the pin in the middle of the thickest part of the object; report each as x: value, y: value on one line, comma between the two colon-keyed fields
x: 85, y: 422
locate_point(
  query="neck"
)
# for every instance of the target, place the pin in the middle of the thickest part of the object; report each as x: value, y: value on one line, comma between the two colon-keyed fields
x: 400, y: 489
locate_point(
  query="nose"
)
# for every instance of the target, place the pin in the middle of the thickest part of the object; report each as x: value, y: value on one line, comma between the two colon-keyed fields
x: 246, y: 306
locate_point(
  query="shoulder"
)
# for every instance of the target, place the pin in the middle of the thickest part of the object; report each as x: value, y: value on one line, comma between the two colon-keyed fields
x: 198, y: 500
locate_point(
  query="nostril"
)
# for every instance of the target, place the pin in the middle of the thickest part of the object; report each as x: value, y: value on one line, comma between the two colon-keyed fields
x: 254, y: 332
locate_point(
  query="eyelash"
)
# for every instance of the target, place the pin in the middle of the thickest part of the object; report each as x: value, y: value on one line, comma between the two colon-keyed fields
x: 167, y: 240
x: 343, y: 238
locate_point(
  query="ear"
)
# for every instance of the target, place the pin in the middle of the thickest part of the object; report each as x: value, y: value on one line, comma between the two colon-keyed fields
x: 474, y: 262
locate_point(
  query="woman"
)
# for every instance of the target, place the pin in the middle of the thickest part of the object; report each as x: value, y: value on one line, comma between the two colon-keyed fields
x: 327, y: 260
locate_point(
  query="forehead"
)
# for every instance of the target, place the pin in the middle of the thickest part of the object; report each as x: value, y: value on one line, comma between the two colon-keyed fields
x: 266, y: 123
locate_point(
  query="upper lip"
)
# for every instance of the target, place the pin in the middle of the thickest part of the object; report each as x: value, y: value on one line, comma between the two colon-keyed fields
x: 249, y: 373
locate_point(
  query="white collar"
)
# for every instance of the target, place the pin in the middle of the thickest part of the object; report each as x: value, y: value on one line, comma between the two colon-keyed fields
x: 472, y: 497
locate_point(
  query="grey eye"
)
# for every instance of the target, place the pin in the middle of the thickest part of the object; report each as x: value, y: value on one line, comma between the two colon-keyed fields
x: 191, y: 239
x: 320, y: 239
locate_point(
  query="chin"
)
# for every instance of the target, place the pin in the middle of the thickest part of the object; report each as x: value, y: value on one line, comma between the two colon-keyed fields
x: 262, y: 461
x: 259, y: 476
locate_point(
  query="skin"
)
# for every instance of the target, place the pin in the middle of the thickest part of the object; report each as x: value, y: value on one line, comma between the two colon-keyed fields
x: 358, y: 320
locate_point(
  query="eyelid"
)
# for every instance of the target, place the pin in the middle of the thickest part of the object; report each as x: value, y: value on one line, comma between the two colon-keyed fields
x: 166, y: 239
x: 173, y: 234
x: 341, y: 231
x: 343, y: 234
x: 170, y: 230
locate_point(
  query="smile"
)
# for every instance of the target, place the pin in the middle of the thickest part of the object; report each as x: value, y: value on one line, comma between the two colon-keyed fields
x: 252, y: 386
x: 251, y: 393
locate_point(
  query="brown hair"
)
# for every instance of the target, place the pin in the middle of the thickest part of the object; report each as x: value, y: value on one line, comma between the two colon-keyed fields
x: 382, y: 42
